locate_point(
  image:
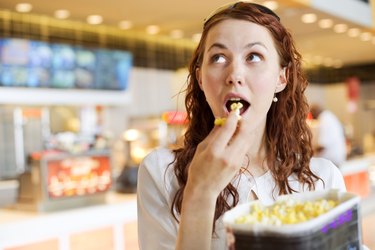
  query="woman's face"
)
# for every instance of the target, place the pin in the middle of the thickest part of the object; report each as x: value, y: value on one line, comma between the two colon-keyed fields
x: 240, y: 63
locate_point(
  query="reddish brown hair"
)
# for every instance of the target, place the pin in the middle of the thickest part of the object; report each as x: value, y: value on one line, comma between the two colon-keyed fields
x: 287, y: 136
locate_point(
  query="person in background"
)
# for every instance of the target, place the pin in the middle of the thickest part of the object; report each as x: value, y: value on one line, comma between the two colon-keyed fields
x: 245, y: 56
x: 330, y: 136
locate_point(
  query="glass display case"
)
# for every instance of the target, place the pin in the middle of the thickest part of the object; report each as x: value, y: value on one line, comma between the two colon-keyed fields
x: 62, y: 180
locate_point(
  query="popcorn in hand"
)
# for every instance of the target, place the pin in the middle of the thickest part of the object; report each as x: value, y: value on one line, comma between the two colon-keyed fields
x: 236, y: 106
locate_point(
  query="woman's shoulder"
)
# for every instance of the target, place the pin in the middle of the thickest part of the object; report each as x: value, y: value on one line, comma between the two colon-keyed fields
x: 328, y: 172
x: 158, y: 164
x: 322, y: 166
x: 158, y: 160
x: 159, y: 155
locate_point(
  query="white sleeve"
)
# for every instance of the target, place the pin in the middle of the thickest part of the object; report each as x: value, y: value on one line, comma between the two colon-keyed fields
x: 157, y: 228
x: 330, y: 174
x: 337, y: 179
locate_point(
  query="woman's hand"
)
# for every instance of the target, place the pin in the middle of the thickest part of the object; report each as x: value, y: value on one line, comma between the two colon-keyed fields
x: 219, y: 157
x: 217, y: 160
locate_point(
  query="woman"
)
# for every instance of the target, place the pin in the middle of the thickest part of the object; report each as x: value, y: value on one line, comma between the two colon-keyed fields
x: 245, y: 56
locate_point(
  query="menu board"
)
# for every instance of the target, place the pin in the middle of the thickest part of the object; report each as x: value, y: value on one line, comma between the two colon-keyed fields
x: 86, y: 65
x: 27, y: 63
x: 78, y: 176
x: 113, y: 69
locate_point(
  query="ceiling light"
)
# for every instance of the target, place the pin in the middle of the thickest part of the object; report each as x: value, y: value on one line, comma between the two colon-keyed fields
x: 365, y: 36
x: 62, y: 14
x: 325, y: 23
x: 94, y: 19
x: 177, y: 34
x: 273, y: 5
x: 309, y: 18
x: 340, y: 28
x: 24, y: 7
x: 337, y: 64
x: 317, y: 59
x: 125, y: 24
x: 354, y: 32
x: 196, y: 37
x: 152, y: 29
x: 328, y: 62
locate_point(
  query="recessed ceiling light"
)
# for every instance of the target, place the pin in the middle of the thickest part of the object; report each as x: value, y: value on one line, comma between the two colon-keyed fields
x: 328, y: 62
x: 365, y: 36
x: 94, y: 19
x: 337, y: 64
x: 273, y: 5
x: 325, y: 23
x: 125, y: 24
x: 340, y: 28
x: 24, y: 7
x: 317, y: 59
x: 196, y: 37
x: 62, y: 14
x: 354, y: 32
x: 309, y: 18
x: 177, y: 34
x: 152, y: 29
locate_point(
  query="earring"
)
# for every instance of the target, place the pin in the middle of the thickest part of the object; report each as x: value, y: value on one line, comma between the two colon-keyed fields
x: 275, y: 99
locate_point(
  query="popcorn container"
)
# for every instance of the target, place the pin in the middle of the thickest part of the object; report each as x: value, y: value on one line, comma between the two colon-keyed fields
x: 339, y: 228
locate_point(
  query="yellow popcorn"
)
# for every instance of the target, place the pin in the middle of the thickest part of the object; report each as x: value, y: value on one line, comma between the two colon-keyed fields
x: 220, y: 121
x: 234, y: 106
x: 286, y: 212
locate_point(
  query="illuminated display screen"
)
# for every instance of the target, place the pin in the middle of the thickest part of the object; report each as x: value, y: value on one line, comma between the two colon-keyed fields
x: 27, y: 63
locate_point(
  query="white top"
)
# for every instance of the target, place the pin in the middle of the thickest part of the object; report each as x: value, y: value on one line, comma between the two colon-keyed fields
x: 157, y: 184
x: 331, y: 136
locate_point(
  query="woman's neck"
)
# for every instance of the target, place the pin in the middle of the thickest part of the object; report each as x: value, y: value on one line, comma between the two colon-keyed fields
x: 255, y: 160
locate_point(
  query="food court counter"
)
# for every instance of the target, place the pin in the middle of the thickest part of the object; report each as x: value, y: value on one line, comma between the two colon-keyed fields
x: 79, y: 228
x: 359, y: 174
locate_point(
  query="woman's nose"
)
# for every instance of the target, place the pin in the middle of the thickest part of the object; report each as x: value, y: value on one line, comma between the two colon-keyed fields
x: 235, y: 74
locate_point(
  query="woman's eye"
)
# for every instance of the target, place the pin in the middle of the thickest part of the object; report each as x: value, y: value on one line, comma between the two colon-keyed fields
x: 254, y: 58
x: 218, y: 58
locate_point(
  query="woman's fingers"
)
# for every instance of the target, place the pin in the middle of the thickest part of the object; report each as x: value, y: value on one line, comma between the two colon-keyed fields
x: 220, y: 136
x: 226, y: 131
x: 219, y: 156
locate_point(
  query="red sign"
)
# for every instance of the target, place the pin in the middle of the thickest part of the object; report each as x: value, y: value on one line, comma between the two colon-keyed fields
x: 78, y: 176
x: 353, y: 86
x: 175, y: 117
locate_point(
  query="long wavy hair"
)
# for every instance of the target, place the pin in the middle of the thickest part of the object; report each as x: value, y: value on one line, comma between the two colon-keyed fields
x: 287, y: 137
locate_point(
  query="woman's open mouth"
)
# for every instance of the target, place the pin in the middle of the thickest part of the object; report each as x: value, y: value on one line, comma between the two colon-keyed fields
x: 245, y: 104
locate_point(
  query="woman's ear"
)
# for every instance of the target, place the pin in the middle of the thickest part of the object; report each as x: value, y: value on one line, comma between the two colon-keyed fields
x: 283, y: 80
x: 199, y: 77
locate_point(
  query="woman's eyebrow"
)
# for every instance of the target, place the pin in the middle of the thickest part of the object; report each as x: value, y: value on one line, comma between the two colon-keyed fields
x: 217, y: 45
x: 249, y: 45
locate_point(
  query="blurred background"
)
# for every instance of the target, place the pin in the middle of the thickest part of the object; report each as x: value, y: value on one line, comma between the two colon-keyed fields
x: 88, y: 88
